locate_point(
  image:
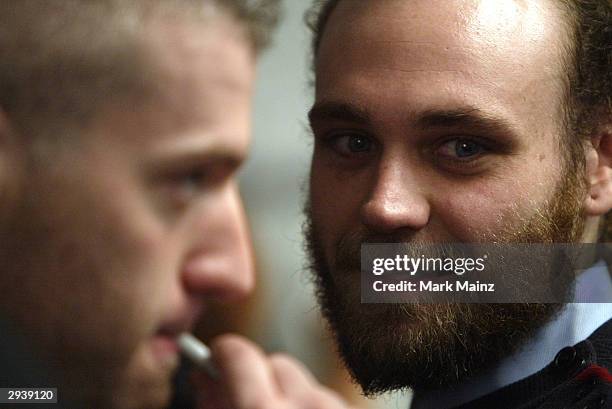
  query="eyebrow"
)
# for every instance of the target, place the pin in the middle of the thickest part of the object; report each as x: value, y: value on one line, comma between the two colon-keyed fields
x: 468, y: 117
x: 195, y: 153
x: 463, y: 117
x: 327, y: 111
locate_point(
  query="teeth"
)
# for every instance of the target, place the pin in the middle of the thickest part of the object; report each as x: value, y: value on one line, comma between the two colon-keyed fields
x: 199, y: 353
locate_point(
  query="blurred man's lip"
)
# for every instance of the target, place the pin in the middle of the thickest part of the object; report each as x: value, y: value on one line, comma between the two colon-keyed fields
x: 164, y: 345
x: 164, y: 341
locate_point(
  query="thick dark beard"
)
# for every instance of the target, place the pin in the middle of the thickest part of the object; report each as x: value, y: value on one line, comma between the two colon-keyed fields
x: 424, y: 347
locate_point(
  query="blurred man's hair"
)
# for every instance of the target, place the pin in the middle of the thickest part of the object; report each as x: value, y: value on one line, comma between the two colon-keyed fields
x: 62, y: 60
x: 587, y: 73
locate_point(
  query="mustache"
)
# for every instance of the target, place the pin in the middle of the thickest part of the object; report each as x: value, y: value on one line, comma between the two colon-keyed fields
x: 348, y: 249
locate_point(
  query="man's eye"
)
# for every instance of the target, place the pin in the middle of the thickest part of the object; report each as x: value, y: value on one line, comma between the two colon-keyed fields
x: 193, y: 180
x: 461, y: 149
x: 351, y: 144
x: 185, y: 186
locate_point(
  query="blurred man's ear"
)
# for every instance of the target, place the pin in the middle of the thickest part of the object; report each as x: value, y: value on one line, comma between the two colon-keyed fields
x: 7, y: 138
x: 11, y: 160
x: 599, y: 172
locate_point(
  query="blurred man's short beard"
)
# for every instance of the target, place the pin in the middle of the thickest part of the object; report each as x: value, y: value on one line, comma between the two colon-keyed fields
x: 424, y: 347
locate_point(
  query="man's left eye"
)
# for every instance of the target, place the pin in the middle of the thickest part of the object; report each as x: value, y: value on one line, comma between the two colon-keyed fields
x: 461, y: 149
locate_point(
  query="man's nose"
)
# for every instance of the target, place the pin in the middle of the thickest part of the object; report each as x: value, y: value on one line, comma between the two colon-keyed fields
x: 220, y: 267
x: 397, y: 199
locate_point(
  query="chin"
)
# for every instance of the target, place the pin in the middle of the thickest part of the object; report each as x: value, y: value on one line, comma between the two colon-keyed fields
x: 146, y: 383
x: 143, y: 394
x: 145, y: 398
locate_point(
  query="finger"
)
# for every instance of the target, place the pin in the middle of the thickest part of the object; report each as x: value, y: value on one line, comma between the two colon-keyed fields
x: 244, y: 372
x: 299, y: 387
x: 292, y: 377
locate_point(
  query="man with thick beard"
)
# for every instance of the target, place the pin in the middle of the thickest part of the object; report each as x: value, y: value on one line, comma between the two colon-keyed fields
x: 479, y: 121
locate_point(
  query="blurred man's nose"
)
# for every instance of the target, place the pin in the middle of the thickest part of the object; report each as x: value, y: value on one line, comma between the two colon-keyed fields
x: 220, y: 267
x: 396, y: 200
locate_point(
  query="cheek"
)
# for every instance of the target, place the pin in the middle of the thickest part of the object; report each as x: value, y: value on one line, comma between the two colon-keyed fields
x: 335, y: 201
x: 469, y: 215
x: 481, y: 208
x: 130, y: 269
x: 148, y: 253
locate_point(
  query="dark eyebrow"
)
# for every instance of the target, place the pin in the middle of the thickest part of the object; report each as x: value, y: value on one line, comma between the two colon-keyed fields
x: 463, y: 117
x: 322, y: 111
x: 472, y: 118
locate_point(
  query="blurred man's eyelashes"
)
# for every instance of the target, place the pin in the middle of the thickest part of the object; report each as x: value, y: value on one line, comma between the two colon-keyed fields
x: 187, y: 184
x: 182, y: 187
x: 192, y: 181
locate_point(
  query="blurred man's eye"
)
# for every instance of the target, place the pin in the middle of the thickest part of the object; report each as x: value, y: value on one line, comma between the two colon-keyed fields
x: 183, y: 187
x: 191, y: 183
x: 182, y: 182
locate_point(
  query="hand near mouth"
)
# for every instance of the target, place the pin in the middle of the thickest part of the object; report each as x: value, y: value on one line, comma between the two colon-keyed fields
x: 250, y: 379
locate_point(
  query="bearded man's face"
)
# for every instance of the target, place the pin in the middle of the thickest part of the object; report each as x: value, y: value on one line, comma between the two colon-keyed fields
x: 425, y: 134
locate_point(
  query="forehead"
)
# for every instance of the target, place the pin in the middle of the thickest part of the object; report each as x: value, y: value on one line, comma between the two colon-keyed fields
x: 199, y: 76
x: 200, y: 57
x: 503, y: 54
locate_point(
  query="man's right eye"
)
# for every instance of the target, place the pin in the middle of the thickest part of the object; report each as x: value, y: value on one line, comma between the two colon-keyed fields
x: 185, y: 186
x: 191, y: 183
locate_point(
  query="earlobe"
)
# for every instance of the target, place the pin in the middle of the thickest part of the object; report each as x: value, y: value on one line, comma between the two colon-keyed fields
x: 599, y: 173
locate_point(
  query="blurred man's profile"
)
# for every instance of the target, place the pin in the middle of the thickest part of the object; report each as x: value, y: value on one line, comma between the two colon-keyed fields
x: 122, y: 125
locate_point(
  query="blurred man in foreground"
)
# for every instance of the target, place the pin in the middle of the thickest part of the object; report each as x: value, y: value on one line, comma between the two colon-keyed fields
x: 122, y: 125
x: 480, y: 121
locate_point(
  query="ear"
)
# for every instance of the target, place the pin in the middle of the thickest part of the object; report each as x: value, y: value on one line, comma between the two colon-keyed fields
x: 11, y: 166
x: 6, y: 129
x: 6, y: 134
x: 11, y: 152
x: 599, y: 172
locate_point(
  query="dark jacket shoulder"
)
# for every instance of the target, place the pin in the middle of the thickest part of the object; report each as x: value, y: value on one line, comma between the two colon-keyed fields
x: 578, y: 378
